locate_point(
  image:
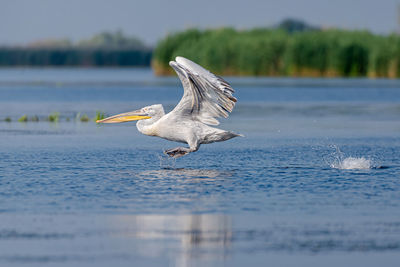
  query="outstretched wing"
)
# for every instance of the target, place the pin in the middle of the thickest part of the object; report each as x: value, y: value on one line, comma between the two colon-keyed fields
x: 206, y: 96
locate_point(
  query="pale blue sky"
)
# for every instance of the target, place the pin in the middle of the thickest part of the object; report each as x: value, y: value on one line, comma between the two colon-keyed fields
x: 24, y: 21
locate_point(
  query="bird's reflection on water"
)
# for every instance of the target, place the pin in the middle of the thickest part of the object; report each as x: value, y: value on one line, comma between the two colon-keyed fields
x: 184, y: 235
x: 186, y: 173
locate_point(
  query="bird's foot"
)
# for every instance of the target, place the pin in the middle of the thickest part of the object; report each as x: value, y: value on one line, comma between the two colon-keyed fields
x: 177, y: 152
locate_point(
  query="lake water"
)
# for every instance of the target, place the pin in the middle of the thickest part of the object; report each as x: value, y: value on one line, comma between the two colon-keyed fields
x: 314, y: 182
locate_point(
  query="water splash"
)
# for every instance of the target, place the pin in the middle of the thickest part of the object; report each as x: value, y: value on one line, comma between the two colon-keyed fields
x: 339, y: 161
x: 351, y: 163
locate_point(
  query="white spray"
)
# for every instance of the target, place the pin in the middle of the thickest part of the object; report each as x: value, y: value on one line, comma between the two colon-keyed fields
x: 349, y: 163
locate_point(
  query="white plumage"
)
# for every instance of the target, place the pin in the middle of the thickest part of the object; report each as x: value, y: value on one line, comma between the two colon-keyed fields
x: 206, y: 97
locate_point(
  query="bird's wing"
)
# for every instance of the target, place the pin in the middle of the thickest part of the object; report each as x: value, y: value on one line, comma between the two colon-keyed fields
x: 206, y: 96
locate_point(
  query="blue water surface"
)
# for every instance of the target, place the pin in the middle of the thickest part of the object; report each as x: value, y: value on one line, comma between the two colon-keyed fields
x: 75, y: 193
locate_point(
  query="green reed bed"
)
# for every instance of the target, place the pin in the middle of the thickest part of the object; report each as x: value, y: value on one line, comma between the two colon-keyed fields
x: 56, y: 117
x: 276, y: 52
x: 23, y: 118
x: 99, y: 115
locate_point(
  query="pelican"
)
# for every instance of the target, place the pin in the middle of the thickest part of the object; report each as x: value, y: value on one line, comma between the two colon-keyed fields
x: 205, y: 98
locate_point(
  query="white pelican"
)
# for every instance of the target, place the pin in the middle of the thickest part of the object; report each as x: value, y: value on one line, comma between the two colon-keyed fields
x: 205, y: 98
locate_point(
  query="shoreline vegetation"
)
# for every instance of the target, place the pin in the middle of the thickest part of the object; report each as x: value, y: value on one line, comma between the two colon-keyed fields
x: 107, y: 49
x: 292, y: 48
x: 74, y: 57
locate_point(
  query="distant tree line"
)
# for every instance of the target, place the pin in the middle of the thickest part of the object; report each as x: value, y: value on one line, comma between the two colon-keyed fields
x: 291, y: 49
x: 74, y: 57
x: 104, y: 49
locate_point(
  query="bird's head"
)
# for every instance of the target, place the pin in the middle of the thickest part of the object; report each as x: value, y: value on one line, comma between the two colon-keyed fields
x: 149, y: 112
x: 154, y: 110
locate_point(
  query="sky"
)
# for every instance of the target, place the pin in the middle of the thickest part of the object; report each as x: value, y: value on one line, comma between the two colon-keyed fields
x: 25, y: 21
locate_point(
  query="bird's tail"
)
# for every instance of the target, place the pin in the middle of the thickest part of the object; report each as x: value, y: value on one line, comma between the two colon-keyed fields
x: 229, y: 135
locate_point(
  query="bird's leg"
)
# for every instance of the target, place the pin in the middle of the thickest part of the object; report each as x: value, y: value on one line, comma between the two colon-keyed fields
x: 182, y: 151
x: 177, y: 152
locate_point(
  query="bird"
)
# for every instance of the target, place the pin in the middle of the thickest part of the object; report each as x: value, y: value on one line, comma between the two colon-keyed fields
x: 206, y: 97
